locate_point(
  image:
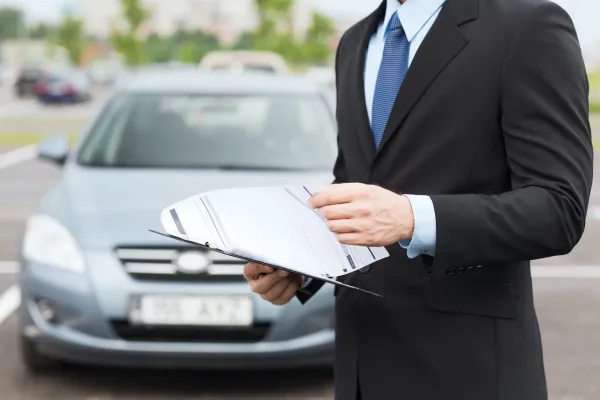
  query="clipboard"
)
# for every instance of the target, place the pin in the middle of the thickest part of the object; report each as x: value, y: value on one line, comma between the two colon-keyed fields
x: 206, y: 246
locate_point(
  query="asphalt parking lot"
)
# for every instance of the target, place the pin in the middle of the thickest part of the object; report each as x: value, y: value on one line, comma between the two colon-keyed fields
x: 567, y: 298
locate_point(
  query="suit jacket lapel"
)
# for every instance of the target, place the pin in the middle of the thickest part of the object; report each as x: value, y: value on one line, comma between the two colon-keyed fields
x: 441, y: 45
x: 363, y: 128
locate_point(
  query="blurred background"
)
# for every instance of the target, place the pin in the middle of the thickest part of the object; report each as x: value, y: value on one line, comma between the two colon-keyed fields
x: 110, y: 111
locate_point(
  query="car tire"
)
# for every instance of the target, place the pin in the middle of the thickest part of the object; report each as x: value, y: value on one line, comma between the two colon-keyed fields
x: 34, y: 361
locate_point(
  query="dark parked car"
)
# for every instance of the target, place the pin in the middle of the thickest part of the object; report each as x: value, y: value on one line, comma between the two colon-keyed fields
x: 70, y: 86
x: 27, y: 80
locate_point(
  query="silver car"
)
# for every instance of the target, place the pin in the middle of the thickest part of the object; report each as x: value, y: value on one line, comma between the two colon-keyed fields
x: 90, y: 264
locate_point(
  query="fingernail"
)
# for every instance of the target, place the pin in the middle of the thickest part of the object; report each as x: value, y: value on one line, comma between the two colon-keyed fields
x: 283, y: 273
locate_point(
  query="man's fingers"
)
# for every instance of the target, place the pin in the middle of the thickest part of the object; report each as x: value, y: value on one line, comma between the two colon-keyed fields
x: 288, y: 294
x: 276, y: 291
x: 345, y: 211
x: 337, y: 194
x: 344, y: 226
x: 251, y: 270
x: 264, y: 284
x: 355, y: 239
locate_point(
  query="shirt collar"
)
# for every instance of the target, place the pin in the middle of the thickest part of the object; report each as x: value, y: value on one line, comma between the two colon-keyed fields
x: 413, y: 14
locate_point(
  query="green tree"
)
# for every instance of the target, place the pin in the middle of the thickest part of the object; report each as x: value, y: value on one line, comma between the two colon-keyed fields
x: 157, y: 49
x: 189, y: 52
x: 245, y: 42
x: 127, y: 42
x: 316, y: 48
x: 274, y: 29
x: 275, y: 34
x: 70, y: 35
x: 274, y: 9
x: 41, y: 31
x: 11, y: 23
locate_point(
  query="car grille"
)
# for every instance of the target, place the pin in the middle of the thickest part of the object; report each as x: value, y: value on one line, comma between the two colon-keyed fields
x: 161, y: 264
x: 129, y: 332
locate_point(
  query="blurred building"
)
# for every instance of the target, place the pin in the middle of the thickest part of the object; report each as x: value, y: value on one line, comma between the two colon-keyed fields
x: 227, y: 19
x: 99, y: 16
x: 16, y: 53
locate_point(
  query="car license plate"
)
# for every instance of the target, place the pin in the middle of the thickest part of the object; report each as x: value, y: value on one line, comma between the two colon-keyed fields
x: 195, y: 310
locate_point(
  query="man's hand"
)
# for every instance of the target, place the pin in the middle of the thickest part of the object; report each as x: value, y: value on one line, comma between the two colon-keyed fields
x: 365, y: 215
x: 277, y: 287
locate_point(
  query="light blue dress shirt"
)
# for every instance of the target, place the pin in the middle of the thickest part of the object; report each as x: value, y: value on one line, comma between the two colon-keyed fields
x: 416, y: 17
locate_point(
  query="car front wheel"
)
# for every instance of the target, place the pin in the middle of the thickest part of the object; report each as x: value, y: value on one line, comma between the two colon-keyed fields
x: 34, y: 361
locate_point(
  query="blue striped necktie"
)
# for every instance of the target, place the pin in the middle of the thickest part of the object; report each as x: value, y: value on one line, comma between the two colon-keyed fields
x: 392, y: 71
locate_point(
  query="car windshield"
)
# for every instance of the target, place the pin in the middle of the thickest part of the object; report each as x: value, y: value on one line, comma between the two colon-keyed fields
x: 286, y: 132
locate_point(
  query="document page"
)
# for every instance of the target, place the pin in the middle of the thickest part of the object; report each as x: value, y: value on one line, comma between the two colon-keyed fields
x: 270, y: 224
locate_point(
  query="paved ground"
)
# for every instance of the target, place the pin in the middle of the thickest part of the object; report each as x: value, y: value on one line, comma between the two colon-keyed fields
x: 28, y: 116
x: 568, y: 309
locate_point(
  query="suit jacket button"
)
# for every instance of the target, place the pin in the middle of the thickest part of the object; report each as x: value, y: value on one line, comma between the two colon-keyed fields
x: 365, y: 269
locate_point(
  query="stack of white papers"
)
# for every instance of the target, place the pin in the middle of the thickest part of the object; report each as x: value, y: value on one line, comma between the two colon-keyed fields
x: 270, y: 225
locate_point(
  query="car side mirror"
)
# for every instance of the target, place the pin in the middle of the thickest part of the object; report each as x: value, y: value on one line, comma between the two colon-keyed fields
x: 54, y: 148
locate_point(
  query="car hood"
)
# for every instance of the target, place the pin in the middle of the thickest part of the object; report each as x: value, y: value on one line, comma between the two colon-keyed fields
x: 119, y: 206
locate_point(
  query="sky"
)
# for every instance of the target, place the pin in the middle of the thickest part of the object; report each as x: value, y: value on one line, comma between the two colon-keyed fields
x: 585, y: 14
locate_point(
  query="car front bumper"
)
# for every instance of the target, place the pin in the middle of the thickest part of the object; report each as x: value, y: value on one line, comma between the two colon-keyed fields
x: 298, y: 335
x: 68, y: 345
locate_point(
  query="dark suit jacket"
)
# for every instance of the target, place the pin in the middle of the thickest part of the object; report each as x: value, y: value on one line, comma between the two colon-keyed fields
x: 492, y: 123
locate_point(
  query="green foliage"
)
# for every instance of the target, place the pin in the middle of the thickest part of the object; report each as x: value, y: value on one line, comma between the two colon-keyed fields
x: 594, y: 78
x: 157, y: 49
x: 191, y: 45
x: 321, y: 29
x: 594, y: 107
x: 127, y: 42
x: 11, y: 23
x: 130, y: 47
x: 316, y: 48
x: 70, y: 36
x: 275, y: 34
x: 135, y: 14
x: 245, y: 42
x: 189, y: 52
x: 272, y: 8
x: 41, y: 31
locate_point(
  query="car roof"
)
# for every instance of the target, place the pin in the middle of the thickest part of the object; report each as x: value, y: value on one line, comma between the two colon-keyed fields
x: 197, y: 81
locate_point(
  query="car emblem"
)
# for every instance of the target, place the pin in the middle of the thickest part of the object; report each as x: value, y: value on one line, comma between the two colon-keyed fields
x: 192, y: 262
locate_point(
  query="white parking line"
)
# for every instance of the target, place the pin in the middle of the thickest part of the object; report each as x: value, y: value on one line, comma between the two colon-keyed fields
x: 595, y: 212
x: 574, y: 271
x: 9, y: 302
x: 9, y: 267
x: 17, y: 156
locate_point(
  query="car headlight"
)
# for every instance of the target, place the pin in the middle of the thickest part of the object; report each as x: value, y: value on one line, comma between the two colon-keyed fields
x: 48, y: 242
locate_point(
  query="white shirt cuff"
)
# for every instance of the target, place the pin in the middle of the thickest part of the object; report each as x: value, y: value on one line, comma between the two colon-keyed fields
x: 424, y: 236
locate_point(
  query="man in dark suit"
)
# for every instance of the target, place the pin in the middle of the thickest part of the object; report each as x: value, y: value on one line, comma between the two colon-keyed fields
x: 465, y: 149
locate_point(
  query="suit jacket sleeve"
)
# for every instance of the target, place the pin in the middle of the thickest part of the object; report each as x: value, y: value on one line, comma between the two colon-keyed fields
x: 339, y: 176
x: 545, y: 123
